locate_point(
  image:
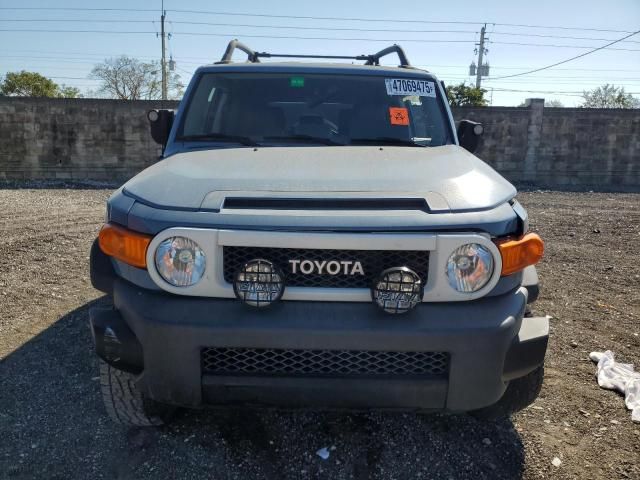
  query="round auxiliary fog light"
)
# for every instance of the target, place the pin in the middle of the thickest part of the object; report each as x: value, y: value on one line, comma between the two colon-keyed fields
x: 397, y: 290
x: 259, y: 283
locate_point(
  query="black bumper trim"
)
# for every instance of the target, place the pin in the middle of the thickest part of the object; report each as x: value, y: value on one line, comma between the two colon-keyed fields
x: 173, y: 329
x: 101, y: 269
x: 325, y: 392
x: 527, y: 349
x: 115, y: 343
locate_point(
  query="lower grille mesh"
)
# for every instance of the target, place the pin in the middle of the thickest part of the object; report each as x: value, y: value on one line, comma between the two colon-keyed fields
x: 333, y: 363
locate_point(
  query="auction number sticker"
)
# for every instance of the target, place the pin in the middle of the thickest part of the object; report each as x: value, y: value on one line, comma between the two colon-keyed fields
x: 405, y: 86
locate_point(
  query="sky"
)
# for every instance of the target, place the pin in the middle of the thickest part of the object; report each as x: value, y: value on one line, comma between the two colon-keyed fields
x: 66, y: 42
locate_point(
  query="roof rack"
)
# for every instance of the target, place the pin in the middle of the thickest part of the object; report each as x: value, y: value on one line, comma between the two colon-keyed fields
x: 254, y: 57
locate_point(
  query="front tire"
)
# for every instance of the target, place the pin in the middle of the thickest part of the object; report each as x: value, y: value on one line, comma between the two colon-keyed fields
x: 127, y: 405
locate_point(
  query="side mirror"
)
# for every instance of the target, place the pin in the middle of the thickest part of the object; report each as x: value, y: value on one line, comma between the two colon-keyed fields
x: 469, y: 134
x: 160, y: 122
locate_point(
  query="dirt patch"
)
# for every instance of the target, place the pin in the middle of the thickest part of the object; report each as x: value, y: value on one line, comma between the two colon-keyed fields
x: 53, y: 424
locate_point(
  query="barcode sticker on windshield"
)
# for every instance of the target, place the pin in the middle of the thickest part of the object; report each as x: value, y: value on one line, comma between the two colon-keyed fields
x: 404, y: 86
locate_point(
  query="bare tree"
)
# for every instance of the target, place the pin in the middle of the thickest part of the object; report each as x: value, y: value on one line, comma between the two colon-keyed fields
x: 547, y: 103
x: 553, y: 103
x: 128, y: 78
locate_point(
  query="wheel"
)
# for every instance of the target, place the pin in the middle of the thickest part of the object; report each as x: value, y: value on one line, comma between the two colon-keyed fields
x: 125, y: 404
x: 520, y: 393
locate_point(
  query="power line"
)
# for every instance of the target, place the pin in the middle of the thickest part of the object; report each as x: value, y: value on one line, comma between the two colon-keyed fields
x: 566, y: 94
x: 205, y: 59
x: 333, y: 29
x: 291, y: 37
x: 69, y: 31
x: 565, y: 37
x: 84, y: 9
x: 545, y: 79
x: 562, y: 46
x: 569, y: 59
x: 559, y: 79
x: 82, y: 54
x: 70, y: 78
x: 494, y: 67
x: 54, y: 59
x: 287, y: 37
x: 520, y: 25
x: 571, y: 83
x: 75, y: 20
x: 311, y: 17
x: 386, y: 20
x: 184, y: 71
x: 232, y: 35
x: 36, y: 57
x: 557, y: 92
x: 247, y: 25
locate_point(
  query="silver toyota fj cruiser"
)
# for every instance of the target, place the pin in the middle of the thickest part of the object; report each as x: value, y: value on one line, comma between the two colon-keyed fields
x: 316, y: 235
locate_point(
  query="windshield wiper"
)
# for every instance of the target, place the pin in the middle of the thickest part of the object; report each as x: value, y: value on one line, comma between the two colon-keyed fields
x: 303, y: 138
x: 223, y: 137
x: 386, y: 141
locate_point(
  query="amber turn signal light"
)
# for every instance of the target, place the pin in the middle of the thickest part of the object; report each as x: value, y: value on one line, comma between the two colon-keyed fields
x: 125, y: 245
x: 519, y: 253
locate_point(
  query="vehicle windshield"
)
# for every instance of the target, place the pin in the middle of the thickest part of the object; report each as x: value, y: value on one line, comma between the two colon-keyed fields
x: 263, y: 108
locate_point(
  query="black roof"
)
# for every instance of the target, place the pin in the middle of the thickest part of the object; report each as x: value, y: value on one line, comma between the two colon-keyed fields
x: 317, y: 68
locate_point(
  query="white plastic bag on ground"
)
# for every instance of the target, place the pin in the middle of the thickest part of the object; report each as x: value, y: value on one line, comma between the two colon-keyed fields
x: 621, y: 377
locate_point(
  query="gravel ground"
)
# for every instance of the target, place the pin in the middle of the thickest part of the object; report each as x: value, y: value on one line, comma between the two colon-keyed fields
x: 53, y: 424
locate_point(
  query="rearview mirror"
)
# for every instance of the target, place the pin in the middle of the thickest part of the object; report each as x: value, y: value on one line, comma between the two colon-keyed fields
x: 469, y: 134
x: 160, y: 122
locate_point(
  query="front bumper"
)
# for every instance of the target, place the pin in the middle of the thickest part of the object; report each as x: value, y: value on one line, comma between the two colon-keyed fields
x: 488, y: 342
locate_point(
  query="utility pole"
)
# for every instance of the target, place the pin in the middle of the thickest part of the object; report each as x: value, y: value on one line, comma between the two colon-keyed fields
x: 163, y: 62
x: 481, y: 52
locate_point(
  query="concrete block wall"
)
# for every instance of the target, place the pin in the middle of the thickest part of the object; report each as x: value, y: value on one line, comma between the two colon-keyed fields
x: 598, y: 148
x: 75, y: 139
x: 503, y: 143
x: 561, y: 147
x: 91, y: 139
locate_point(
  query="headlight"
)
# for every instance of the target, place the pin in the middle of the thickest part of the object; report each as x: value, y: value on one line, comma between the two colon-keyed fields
x: 470, y: 267
x: 180, y: 261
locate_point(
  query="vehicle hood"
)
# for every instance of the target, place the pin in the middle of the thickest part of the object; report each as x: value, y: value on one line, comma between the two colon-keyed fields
x: 448, y: 177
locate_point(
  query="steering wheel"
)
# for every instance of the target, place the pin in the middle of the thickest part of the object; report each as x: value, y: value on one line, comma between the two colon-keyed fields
x: 331, y: 127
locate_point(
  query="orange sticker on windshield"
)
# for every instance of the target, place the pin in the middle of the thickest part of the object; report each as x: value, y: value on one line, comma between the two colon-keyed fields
x: 398, y: 116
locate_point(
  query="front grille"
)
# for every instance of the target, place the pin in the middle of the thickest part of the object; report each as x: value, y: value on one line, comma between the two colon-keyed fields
x: 315, y: 363
x: 373, y: 263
